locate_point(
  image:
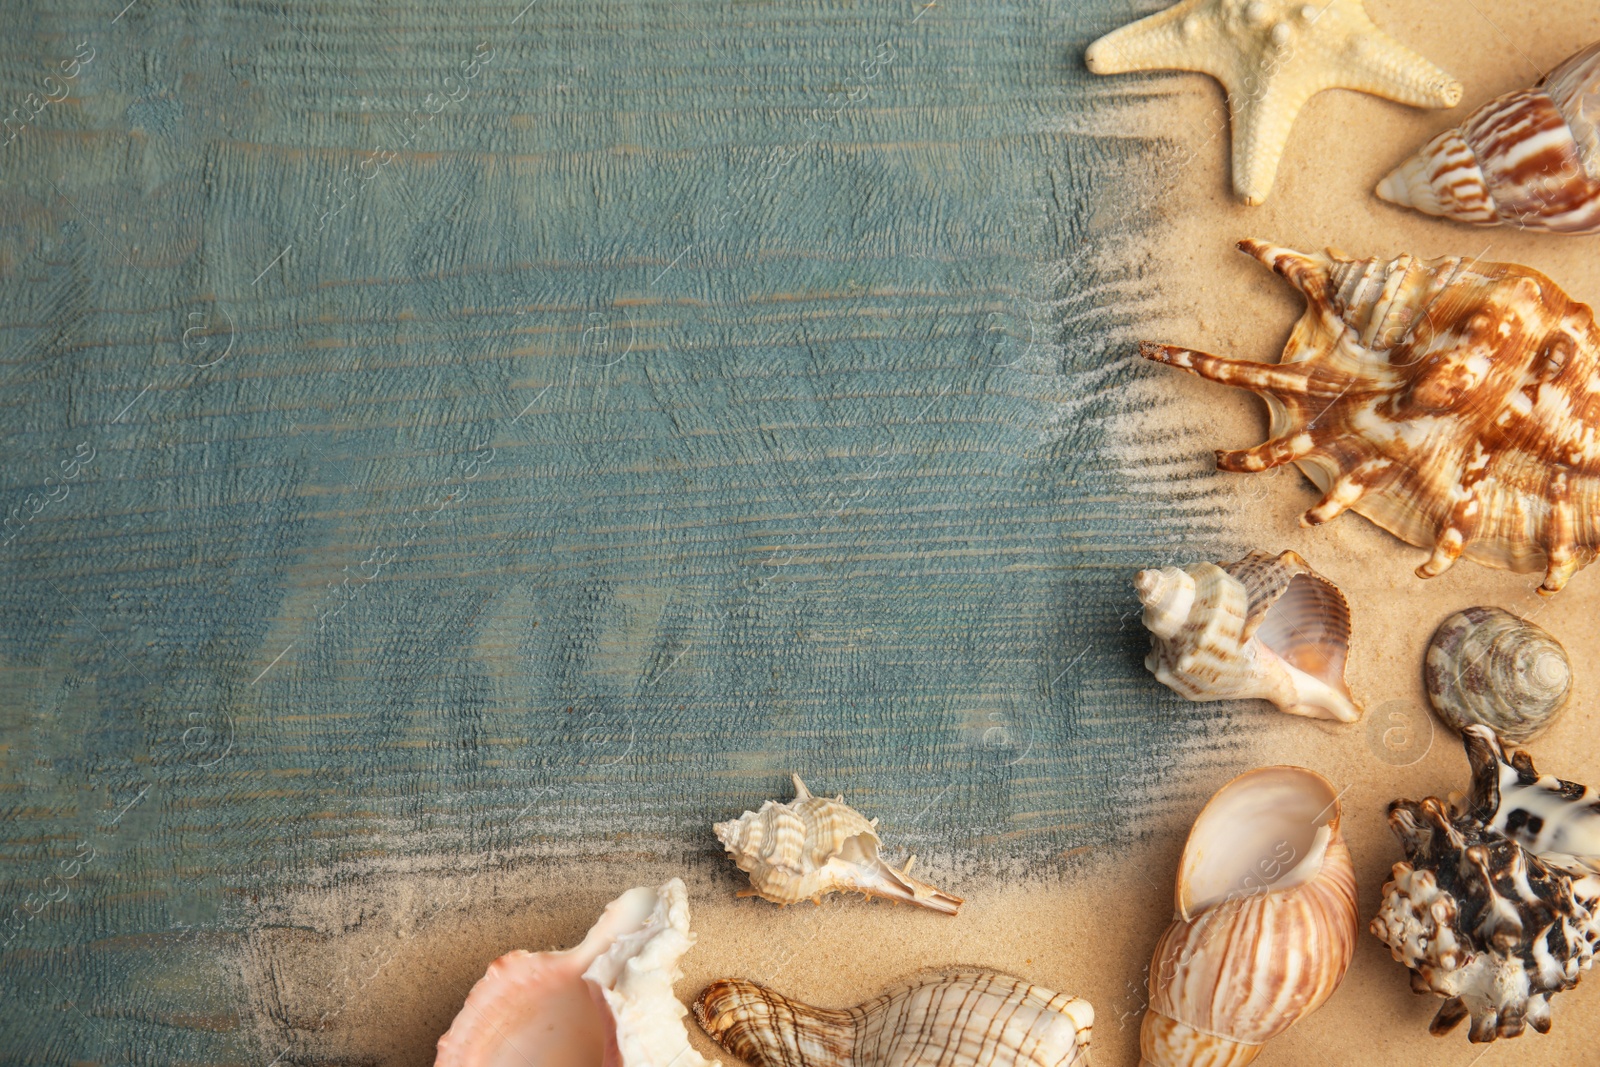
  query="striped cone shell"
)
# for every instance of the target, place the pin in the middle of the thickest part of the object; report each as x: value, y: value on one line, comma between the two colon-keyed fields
x: 1447, y: 400
x: 1265, y: 926
x: 1530, y: 158
x: 960, y: 1019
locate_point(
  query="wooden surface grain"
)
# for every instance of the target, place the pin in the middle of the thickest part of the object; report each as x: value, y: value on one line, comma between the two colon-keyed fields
x: 539, y: 430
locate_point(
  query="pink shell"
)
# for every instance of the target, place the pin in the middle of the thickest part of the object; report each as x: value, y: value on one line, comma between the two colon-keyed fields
x: 606, y: 1003
x: 1530, y: 158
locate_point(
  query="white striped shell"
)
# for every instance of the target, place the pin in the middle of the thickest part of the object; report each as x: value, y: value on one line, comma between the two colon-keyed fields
x: 1556, y: 820
x: 813, y: 846
x: 959, y: 1019
x: 1265, y: 924
x: 1265, y: 627
x: 1488, y: 666
x: 606, y: 1003
x: 1530, y: 158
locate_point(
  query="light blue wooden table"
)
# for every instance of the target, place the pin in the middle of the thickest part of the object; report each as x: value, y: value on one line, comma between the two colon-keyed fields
x: 432, y: 426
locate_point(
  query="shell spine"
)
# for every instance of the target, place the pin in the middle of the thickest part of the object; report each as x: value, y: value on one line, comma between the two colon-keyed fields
x: 1448, y: 401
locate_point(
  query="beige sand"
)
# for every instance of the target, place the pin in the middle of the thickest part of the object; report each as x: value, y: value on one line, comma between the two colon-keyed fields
x: 375, y: 976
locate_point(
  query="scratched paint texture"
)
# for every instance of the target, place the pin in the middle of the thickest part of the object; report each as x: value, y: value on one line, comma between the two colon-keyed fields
x: 470, y: 426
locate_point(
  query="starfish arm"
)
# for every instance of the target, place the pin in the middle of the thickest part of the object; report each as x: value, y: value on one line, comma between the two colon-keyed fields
x: 1376, y: 63
x: 1179, y: 38
x: 1262, y: 119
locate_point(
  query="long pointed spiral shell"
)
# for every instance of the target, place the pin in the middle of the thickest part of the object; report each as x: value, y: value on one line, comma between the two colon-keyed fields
x: 1265, y: 925
x: 1450, y: 401
x: 1264, y: 627
x: 1530, y: 158
x: 1488, y: 666
x: 961, y: 1019
x: 813, y: 846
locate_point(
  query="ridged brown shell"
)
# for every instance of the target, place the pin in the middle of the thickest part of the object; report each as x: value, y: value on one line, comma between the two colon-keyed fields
x: 1530, y: 158
x: 1487, y: 666
x: 1453, y: 402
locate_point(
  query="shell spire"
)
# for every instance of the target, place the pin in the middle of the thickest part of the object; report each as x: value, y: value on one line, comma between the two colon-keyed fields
x: 964, y: 1017
x: 1446, y: 400
x: 1487, y: 666
x: 1529, y: 159
x: 813, y: 846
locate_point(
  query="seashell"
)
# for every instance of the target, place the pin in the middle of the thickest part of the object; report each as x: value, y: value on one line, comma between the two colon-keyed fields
x: 1265, y: 627
x: 1481, y: 921
x: 1530, y: 158
x: 1272, y: 56
x: 1265, y: 924
x: 1488, y: 666
x: 606, y: 1003
x: 813, y: 846
x: 1446, y: 400
x: 961, y: 1019
x: 1556, y: 820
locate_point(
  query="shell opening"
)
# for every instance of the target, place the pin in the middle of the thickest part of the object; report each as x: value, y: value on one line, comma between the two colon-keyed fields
x: 1268, y: 829
x: 1309, y: 629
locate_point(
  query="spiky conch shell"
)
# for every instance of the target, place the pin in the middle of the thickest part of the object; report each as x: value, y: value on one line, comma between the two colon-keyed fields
x: 1487, y: 666
x: 1449, y: 401
x: 1265, y: 925
x: 813, y: 846
x: 958, y: 1019
x: 1481, y: 921
x: 1530, y: 158
x: 1264, y: 627
x: 606, y: 1003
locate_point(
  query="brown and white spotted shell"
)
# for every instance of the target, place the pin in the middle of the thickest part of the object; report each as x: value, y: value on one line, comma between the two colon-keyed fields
x: 1530, y: 158
x: 1453, y: 402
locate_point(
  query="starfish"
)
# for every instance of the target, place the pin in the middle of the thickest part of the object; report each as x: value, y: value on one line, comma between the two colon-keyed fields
x: 1272, y: 56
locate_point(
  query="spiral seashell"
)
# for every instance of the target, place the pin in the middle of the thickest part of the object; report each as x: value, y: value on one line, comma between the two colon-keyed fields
x: 1483, y: 922
x: 813, y: 846
x: 1265, y: 627
x: 1488, y: 666
x: 606, y: 1003
x: 962, y: 1019
x: 1556, y: 820
x: 1530, y: 158
x: 1265, y: 924
x: 1449, y: 401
